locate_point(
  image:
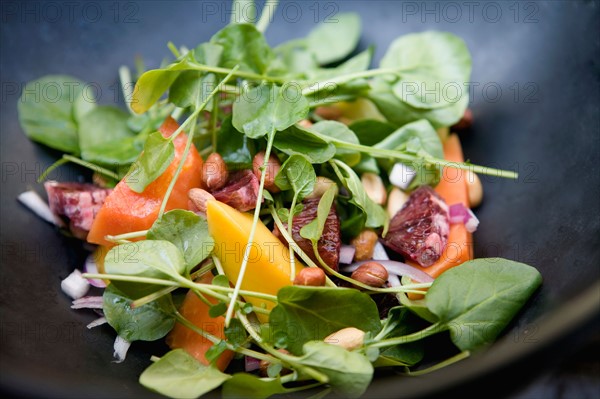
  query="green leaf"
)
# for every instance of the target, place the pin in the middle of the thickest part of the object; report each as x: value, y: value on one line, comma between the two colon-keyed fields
x: 350, y: 373
x: 371, y: 131
x: 189, y: 233
x: 294, y: 60
x: 236, y: 334
x: 48, y: 111
x: 149, y: 322
x: 478, y: 299
x: 399, y: 323
x: 358, y: 63
x: 312, y: 313
x: 148, y: 258
x: 217, y: 310
x: 245, y: 46
x: 244, y: 385
x: 403, y: 139
x: 178, y: 375
x: 333, y: 40
x: 297, y: 140
x: 341, y: 132
x: 156, y: 158
x: 236, y: 149
x: 298, y: 174
x: 313, y: 231
x: 429, y: 62
x: 216, y: 350
x: 268, y: 108
x: 376, y: 215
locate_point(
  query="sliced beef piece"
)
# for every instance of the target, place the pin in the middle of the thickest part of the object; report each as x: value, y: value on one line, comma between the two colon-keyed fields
x: 79, y: 203
x: 330, y: 243
x: 240, y: 191
x: 419, y: 231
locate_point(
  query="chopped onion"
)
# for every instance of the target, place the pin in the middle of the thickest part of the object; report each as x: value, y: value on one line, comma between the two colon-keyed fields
x: 88, y: 302
x: 121, y: 347
x: 75, y: 285
x: 347, y: 254
x: 397, y: 268
x: 90, y: 267
x: 37, y: 205
x: 97, y: 322
x: 251, y: 363
x: 379, y: 252
x: 393, y: 280
x: 459, y: 213
x: 402, y: 175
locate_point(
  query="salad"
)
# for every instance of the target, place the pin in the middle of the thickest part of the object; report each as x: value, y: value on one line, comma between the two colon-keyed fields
x: 286, y: 218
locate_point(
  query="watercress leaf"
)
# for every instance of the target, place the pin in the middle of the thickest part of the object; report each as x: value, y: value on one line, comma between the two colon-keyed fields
x: 367, y: 164
x: 333, y: 40
x: 477, y: 299
x: 376, y: 215
x: 297, y: 140
x: 340, y: 132
x: 115, y: 155
x: 220, y: 280
x: 149, y: 322
x: 400, y: 322
x: 358, y: 63
x: 294, y: 60
x: 416, y: 136
x: 350, y: 373
x: 417, y: 306
x: 245, y: 46
x: 236, y: 334
x: 47, y: 111
x: 208, y: 53
x: 244, y: 385
x: 429, y: 61
x: 153, y: 84
x: 148, y: 258
x: 236, y: 149
x: 216, y: 350
x: 371, y: 131
x: 217, y: 310
x: 314, y: 230
x: 189, y: 233
x: 298, y: 174
x: 178, y: 375
x: 312, y: 313
x: 268, y: 108
x: 156, y: 158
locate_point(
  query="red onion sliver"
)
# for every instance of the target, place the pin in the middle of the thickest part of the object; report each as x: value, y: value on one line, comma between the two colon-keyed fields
x: 75, y: 285
x: 251, y: 363
x: 397, y: 268
x: 393, y: 280
x: 461, y: 214
x: 471, y: 224
x: 88, y: 302
x: 379, y: 252
x: 90, y: 267
x: 347, y: 254
x: 121, y: 347
x: 37, y: 205
x: 97, y: 322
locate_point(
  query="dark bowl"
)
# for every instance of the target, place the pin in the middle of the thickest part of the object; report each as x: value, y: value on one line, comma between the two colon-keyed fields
x: 535, y: 95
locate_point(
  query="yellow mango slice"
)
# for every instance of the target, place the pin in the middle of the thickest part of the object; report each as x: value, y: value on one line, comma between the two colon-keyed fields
x: 268, y: 266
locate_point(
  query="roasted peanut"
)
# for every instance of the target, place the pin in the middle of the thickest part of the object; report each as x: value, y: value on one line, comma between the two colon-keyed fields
x: 198, y: 198
x: 349, y: 338
x: 374, y: 187
x: 371, y: 273
x: 271, y: 170
x: 321, y: 185
x: 310, y: 276
x: 329, y: 112
x: 396, y: 199
x: 305, y: 123
x: 364, y: 243
x: 214, y: 172
x: 474, y: 189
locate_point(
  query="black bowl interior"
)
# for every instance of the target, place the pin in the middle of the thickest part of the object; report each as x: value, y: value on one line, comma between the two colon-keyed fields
x: 535, y: 94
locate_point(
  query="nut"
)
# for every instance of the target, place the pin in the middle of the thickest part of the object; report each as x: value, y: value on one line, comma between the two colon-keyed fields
x: 305, y: 123
x: 329, y: 112
x: 364, y: 243
x: 374, y: 187
x: 349, y: 338
x: 474, y: 189
x: 321, y: 185
x: 264, y: 365
x: 465, y: 122
x: 396, y: 200
x: 310, y: 276
x: 271, y: 170
x: 198, y: 198
x: 371, y: 273
x: 214, y: 172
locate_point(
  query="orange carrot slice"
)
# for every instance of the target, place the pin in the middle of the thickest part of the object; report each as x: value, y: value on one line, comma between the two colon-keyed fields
x: 196, y: 345
x: 125, y: 211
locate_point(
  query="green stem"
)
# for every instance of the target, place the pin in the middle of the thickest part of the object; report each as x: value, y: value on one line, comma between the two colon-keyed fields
x: 190, y: 138
x: 214, y: 116
x: 239, y: 74
x: 50, y: 168
x: 267, y: 15
x: 416, y: 336
x: 445, y: 363
x: 255, y: 221
x: 289, y: 230
x: 89, y: 165
x: 127, y: 236
x: 332, y: 83
x: 126, y: 86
